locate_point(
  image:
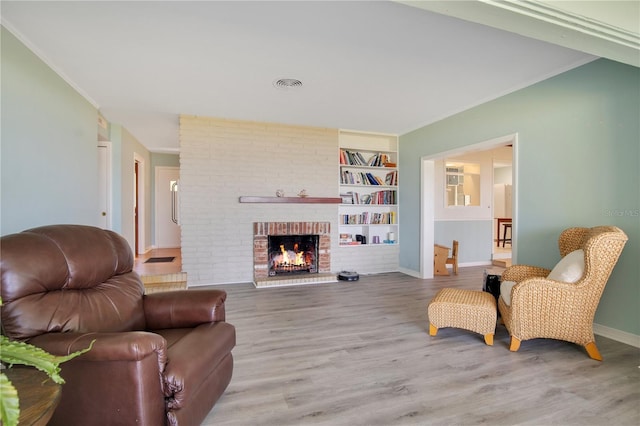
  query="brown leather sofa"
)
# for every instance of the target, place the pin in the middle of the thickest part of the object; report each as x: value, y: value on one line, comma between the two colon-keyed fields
x: 158, y: 359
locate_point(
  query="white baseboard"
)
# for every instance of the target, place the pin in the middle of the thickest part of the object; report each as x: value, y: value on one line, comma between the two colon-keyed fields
x: 410, y: 272
x: 416, y: 274
x: 466, y: 264
x: 617, y: 335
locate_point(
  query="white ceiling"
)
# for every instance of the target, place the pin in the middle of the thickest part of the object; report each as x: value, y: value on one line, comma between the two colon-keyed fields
x: 375, y: 66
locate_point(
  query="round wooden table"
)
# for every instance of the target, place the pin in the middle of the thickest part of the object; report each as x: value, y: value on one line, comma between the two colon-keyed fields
x: 39, y: 395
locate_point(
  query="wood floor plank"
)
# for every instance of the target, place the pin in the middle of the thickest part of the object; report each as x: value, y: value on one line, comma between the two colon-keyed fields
x: 359, y: 353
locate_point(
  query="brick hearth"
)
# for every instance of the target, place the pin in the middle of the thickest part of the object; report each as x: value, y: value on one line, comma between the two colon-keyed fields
x: 261, y: 232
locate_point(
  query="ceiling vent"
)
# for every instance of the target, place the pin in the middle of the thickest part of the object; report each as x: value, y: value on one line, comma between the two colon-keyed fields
x: 287, y: 84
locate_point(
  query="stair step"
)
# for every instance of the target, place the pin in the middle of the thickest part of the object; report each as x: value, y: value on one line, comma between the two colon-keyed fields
x: 164, y: 282
x: 503, y: 263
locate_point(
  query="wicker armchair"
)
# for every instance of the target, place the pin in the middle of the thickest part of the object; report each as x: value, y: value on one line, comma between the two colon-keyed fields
x: 545, y: 308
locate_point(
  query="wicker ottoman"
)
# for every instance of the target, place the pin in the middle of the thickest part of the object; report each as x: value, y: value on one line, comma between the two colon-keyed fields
x: 468, y: 309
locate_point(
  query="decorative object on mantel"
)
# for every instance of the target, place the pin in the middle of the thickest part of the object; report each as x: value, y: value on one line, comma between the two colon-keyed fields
x: 279, y: 193
x: 291, y: 200
x: 303, y: 193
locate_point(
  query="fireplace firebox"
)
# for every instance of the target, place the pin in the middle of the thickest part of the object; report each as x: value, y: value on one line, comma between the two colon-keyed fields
x: 263, y: 254
x: 293, y: 254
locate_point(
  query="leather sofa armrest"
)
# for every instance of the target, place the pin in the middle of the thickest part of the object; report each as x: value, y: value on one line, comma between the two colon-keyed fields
x: 184, y: 308
x: 124, y: 346
x: 120, y: 376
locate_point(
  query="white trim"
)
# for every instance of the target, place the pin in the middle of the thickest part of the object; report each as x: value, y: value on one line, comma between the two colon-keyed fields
x: 142, y: 249
x: 427, y: 197
x: 411, y: 273
x: 24, y: 40
x: 562, y: 25
x: 478, y: 263
x: 617, y: 335
x: 109, y: 178
x: 555, y: 15
x: 427, y: 218
x: 515, y: 166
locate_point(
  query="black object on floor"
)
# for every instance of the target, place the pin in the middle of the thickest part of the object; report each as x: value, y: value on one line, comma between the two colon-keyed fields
x: 160, y: 259
x: 348, y: 276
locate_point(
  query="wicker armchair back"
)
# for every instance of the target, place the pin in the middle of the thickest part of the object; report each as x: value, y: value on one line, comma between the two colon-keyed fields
x: 544, y: 308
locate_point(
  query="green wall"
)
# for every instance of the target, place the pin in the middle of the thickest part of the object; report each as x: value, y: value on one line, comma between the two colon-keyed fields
x: 49, y: 154
x: 577, y: 164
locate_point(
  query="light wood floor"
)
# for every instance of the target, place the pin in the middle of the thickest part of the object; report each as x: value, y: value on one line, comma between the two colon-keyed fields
x: 158, y: 268
x: 359, y: 353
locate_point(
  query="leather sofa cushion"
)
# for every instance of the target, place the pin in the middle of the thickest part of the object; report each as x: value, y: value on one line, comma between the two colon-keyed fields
x: 68, y: 278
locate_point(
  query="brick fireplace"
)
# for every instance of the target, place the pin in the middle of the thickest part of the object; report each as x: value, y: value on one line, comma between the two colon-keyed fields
x: 261, y: 233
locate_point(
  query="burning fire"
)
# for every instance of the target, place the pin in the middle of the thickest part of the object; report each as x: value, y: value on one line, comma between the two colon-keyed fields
x: 289, y: 257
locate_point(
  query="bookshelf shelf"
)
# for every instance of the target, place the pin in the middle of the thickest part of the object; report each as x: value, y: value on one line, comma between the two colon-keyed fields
x: 368, y: 182
x: 291, y: 200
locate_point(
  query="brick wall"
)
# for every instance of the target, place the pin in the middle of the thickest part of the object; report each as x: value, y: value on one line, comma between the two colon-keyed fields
x: 221, y: 160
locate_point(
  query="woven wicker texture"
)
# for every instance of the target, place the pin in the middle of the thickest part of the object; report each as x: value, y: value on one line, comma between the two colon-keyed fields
x: 543, y: 308
x: 471, y: 310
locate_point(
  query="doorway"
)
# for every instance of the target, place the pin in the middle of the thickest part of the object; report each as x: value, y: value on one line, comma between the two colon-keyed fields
x: 167, y: 207
x: 502, y: 206
x: 428, y: 197
x: 138, y: 204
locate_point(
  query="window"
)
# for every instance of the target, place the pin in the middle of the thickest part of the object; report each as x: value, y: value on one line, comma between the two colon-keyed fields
x: 462, y: 184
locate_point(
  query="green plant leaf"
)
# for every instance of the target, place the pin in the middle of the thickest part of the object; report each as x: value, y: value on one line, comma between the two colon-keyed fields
x: 14, y: 352
x: 9, y: 402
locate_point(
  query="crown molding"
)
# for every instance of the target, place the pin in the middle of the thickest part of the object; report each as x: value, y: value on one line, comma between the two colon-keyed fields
x: 546, y: 22
x: 50, y: 63
x: 548, y: 13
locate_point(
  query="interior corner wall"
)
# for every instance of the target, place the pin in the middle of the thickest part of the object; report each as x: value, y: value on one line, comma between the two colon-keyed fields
x: 130, y: 147
x: 221, y: 160
x: 577, y: 164
x: 49, y: 145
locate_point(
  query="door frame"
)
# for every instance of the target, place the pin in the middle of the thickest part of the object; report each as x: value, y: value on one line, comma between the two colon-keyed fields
x: 139, y: 202
x: 109, y: 181
x: 427, y: 196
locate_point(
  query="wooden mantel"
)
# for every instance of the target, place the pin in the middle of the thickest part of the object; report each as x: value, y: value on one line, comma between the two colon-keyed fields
x: 291, y: 200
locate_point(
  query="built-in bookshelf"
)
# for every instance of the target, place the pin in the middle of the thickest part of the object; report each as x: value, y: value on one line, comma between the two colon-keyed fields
x: 368, y: 178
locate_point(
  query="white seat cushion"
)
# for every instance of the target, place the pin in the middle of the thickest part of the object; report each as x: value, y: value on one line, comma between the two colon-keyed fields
x: 505, y: 291
x: 570, y: 268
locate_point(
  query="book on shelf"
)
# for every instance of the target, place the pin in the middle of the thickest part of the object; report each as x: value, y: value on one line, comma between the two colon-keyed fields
x: 378, y: 160
x: 356, y: 158
x: 371, y: 179
x: 368, y: 218
x: 388, y: 196
x: 352, y: 158
x: 347, y: 198
x: 345, y: 238
x: 348, y: 177
x: 391, y: 178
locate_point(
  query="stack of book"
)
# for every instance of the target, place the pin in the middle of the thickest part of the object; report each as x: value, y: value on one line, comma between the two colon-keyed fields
x: 355, y: 158
x: 366, y: 218
x: 378, y: 197
x: 347, y: 240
